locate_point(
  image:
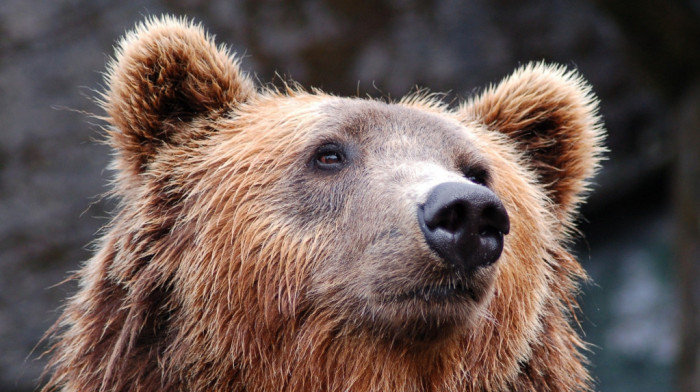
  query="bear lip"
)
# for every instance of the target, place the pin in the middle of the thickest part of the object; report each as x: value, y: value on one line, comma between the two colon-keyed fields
x: 450, y: 292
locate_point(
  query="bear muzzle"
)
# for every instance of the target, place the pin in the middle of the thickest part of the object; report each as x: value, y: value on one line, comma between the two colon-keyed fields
x: 464, y: 223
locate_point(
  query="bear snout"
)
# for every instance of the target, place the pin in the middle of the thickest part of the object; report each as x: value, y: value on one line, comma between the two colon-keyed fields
x: 464, y: 224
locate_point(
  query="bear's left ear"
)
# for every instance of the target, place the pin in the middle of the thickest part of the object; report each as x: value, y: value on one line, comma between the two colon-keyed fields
x: 552, y: 115
x: 167, y: 72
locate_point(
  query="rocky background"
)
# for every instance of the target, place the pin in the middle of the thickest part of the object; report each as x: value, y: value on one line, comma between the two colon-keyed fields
x: 640, y: 230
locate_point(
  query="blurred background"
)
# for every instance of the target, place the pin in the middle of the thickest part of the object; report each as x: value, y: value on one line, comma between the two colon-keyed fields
x: 640, y: 230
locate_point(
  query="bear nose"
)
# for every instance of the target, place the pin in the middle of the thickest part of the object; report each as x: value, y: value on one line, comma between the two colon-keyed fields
x: 464, y: 223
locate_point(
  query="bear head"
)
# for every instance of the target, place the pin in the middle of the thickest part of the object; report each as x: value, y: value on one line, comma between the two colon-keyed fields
x: 271, y: 239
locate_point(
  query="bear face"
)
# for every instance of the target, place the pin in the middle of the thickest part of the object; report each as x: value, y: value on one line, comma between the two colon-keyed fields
x: 385, y: 277
x: 293, y: 240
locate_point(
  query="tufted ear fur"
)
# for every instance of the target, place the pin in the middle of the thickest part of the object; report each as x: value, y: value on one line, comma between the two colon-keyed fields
x: 552, y: 114
x: 166, y: 73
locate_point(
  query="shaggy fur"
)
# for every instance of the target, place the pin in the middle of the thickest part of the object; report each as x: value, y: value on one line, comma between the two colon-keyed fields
x: 232, y: 264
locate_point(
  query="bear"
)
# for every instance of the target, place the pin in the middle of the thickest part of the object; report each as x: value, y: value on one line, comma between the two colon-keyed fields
x: 285, y: 239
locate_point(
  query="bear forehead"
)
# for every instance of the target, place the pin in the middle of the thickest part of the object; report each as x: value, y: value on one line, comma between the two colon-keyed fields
x: 396, y: 128
x: 358, y: 117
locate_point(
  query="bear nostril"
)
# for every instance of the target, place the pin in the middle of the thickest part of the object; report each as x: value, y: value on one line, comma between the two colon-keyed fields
x: 464, y: 224
x: 494, y: 220
x: 489, y: 232
x: 449, y: 218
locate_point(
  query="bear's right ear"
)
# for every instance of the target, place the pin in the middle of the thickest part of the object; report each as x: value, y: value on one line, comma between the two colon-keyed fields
x: 166, y: 73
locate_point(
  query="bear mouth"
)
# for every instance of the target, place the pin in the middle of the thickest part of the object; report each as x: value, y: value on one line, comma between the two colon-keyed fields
x: 427, y: 313
x: 440, y: 293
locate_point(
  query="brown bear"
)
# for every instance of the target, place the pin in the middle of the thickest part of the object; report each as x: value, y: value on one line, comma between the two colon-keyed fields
x: 290, y: 240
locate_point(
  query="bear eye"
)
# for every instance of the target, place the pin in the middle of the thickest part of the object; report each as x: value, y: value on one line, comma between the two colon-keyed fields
x: 477, y: 175
x: 329, y: 157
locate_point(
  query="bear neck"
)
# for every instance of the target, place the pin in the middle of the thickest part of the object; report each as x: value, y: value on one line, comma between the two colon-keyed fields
x: 361, y: 363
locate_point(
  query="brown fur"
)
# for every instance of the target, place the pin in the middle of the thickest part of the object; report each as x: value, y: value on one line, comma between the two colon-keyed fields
x: 231, y: 265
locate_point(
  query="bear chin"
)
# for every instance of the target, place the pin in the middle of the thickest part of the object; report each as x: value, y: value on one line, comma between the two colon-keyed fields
x: 433, y: 310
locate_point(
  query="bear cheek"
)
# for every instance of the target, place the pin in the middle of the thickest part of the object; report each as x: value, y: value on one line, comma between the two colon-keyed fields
x: 375, y: 240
